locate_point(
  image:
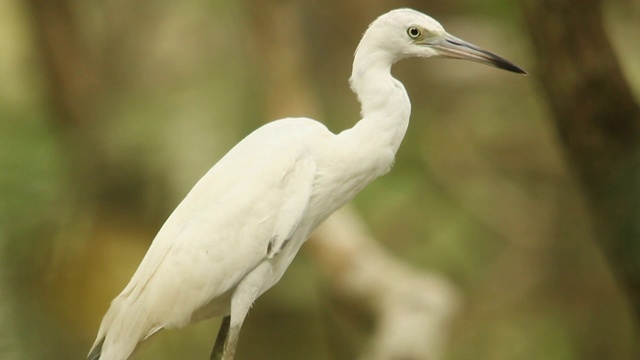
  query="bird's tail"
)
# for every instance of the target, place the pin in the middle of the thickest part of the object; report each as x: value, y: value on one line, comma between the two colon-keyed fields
x: 124, y: 325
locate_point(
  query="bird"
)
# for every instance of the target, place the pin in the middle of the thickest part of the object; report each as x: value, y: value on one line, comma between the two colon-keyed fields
x: 236, y: 232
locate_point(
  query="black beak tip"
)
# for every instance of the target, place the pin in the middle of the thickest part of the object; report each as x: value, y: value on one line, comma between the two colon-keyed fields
x: 511, y: 67
x: 519, y: 70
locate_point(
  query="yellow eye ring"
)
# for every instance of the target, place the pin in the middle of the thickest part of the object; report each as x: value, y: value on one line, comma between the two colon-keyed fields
x: 414, y: 32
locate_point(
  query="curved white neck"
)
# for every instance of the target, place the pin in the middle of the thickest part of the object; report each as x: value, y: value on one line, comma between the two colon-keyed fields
x: 385, y: 106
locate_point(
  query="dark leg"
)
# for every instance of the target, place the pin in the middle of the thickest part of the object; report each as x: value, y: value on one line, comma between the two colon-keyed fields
x: 223, y: 334
x: 245, y: 294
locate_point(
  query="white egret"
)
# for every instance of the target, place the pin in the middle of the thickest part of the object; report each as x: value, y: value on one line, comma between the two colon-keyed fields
x: 237, y: 231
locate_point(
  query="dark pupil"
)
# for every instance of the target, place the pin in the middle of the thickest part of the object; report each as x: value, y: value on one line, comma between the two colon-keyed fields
x: 414, y: 32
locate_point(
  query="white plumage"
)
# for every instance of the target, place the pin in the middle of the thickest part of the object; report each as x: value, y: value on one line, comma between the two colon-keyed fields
x: 236, y: 232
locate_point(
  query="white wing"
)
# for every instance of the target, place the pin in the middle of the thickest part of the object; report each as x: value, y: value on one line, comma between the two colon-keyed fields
x: 251, y: 200
x: 243, y: 211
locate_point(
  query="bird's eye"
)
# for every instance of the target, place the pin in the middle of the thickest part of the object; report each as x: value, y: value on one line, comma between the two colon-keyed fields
x: 414, y: 32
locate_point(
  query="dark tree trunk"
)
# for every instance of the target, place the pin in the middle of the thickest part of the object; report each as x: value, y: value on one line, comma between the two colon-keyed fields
x: 598, y: 120
x: 77, y: 88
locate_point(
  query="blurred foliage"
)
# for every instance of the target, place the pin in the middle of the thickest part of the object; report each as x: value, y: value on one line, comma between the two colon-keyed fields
x: 480, y: 191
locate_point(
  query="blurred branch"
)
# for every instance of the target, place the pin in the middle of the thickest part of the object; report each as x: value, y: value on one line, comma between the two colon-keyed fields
x: 598, y: 120
x: 414, y: 309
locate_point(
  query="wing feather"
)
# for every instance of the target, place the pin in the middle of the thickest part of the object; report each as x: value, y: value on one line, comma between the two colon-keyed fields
x: 242, y: 212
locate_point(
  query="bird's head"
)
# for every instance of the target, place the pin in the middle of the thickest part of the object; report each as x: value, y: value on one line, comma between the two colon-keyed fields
x: 404, y: 33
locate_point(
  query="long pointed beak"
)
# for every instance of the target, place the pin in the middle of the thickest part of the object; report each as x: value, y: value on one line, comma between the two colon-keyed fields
x: 452, y: 47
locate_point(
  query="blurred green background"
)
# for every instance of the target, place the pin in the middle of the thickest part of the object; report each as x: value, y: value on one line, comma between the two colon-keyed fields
x: 111, y: 110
